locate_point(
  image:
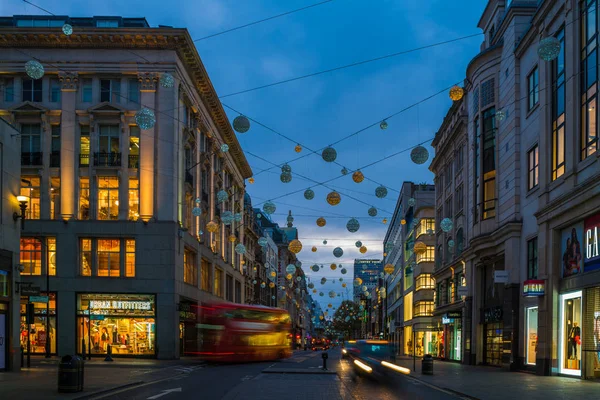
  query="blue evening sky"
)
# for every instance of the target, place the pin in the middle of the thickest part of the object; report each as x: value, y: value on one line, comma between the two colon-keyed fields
x: 320, y: 110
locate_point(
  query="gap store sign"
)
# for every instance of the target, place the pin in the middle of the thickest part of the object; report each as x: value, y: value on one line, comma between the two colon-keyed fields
x: 591, y: 243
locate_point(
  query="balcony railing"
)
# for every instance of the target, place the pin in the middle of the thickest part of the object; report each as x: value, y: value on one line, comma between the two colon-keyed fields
x: 134, y: 161
x: 107, y: 159
x: 34, y: 158
x: 55, y: 159
x: 84, y: 160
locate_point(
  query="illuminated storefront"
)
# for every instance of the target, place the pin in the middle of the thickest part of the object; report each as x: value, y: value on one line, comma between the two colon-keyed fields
x: 37, y: 330
x: 126, y: 322
x: 451, y: 340
x: 531, y: 335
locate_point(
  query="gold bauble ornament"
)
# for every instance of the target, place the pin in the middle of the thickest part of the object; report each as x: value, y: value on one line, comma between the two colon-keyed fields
x: 273, y: 274
x: 321, y: 222
x: 212, y: 227
x: 389, y: 269
x: 363, y: 249
x: 295, y: 246
x: 403, y: 222
x: 232, y: 238
x: 271, y: 285
x: 289, y: 277
x: 334, y: 198
x: 298, y: 148
x: 358, y: 176
x: 384, y: 221
x: 333, y: 267
x: 251, y: 180
x: 456, y: 93
x: 343, y: 285
x: 314, y: 249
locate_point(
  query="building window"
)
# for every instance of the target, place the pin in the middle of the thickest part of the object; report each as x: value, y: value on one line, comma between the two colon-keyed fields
x: 424, y: 281
x: 190, y: 269
x: 108, y: 197
x: 9, y: 90
x: 31, y: 144
x: 589, y: 78
x: 107, y: 23
x: 229, y: 288
x: 51, y: 244
x: 426, y: 256
x: 423, y: 309
x: 448, y: 251
x: 31, y: 256
x: 30, y: 186
x: 55, y: 147
x: 108, y: 140
x: 55, y: 91
x: 109, y: 257
x: 532, y: 258
x: 134, y: 147
x: 489, y: 164
x: 476, y: 170
x: 448, y: 208
x: 134, y: 199
x: 459, y: 159
x: 218, y: 282
x: 531, y: 337
x: 84, y: 145
x: 451, y: 290
x: 129, y: 258
x: 533, y: 159
x: 134, y: 90
x: 85, y: 257
x: 86, y: 90
x: 459, y: 198
x: 439, y: 257
x: 84, y: 198
x: 238, y: 292
x: 459, y: 241
x: 558, y: 110
x: 32, y: 90
x: 533, y: 89
x: 110, y: 90
x: 55, y: 197
x: 438, y: 294
x: 205, y: 272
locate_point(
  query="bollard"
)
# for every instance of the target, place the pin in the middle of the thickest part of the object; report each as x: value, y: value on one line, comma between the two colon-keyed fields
x: 108, y: 353
x: 324, y: 355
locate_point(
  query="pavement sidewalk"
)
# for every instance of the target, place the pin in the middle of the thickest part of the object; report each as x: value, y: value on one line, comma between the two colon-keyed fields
x: 489, y: 383
x: 41, y: 380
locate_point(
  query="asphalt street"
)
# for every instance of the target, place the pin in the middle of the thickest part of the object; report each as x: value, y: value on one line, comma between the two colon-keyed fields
x: 299, y: 377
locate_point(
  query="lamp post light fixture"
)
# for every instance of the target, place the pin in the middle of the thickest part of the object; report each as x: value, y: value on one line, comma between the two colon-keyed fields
x: 23, y: 201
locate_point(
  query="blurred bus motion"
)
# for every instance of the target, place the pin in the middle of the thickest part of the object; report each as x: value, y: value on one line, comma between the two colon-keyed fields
x: 228, y: 332
x: 375, y: 358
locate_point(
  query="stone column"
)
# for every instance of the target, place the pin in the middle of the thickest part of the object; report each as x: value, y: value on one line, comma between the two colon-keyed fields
x: 147, y: 138
x: 68, y: 123
x: 44, y: 173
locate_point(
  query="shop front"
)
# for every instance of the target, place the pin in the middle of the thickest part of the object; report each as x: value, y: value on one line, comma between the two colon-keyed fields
x: 187, y: 325
x: 493, y: 340
x: 427, y: 337
x: 451, y: 340
x: 43, y: 327
x: 125, y: 322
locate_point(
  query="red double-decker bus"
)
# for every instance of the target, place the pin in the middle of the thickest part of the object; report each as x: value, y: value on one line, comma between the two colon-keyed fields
x: 228, y: 332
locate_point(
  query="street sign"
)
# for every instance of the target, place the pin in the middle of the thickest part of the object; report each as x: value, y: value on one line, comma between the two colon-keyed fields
x: 500, y: 276
x: 462, y: 291
x: 30, y: 290
x: 97, y: 317
x: 38, y: 299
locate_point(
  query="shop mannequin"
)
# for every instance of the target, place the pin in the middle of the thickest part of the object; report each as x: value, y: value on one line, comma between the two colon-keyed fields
x: 574, y: 340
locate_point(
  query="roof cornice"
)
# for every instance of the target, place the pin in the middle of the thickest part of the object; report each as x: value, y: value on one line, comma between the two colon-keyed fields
x: 177, y: 39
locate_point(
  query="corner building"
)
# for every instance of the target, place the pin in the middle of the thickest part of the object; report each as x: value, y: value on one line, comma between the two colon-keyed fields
x: 115, y: 233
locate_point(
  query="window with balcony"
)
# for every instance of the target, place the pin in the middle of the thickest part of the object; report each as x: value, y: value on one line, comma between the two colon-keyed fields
x: 32, y: 90
x: 109, y: 152
x: 55, y: 197
x: 427, y: 255
x: 108, y: 198
x: 476, y: 170
x: 558, y: 110
x: 218, y: 285
x: 424, y: 281
x: 30, y: 187
x: 110, y: 90
x: 532, y: 258
x: 31, y: 144
x: 134, y: 90
x: 425, y: 227
x: 134, y: 199
x: 423, y: 308
x: 84, y: 145
x: 55, y: 91
x: 533, y: 160
x: 84, y: 198
x: 205, y: 275
x: 489, y: 164
x: 589, y: 78
x: 9, y: 90
x: 86, y: 90
x: 134, y: 147
x: 190, y: 269
x: 103, y: 257
x: 55, y: 147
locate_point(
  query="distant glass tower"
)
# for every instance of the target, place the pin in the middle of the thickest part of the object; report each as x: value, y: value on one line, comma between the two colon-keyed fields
x: 368, y: 271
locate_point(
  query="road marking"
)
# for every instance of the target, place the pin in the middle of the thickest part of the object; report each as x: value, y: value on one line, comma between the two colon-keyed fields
x: 164, y: 393
x: 247, y: 377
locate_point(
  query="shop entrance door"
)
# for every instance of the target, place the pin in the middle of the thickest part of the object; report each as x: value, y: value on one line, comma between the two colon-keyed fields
x: 3, y: 340
x: 181, y: 338
x: 493, y: 343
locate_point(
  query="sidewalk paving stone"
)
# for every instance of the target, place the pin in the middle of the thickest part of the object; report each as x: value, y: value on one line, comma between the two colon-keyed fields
x: 489, y: 383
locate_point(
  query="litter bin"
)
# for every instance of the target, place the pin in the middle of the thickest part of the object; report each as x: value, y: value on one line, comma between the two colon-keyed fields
x: 70, y: 374
x: 427, y: 365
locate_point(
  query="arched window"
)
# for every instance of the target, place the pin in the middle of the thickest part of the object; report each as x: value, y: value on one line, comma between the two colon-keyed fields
x: 459, y: 241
